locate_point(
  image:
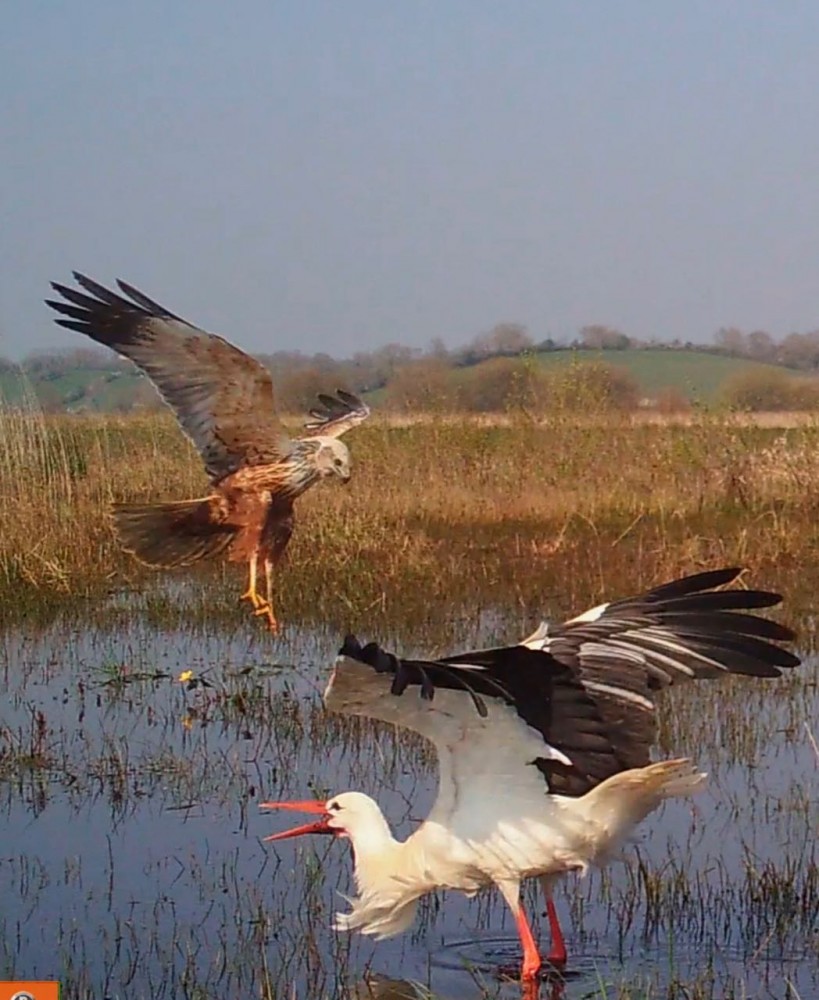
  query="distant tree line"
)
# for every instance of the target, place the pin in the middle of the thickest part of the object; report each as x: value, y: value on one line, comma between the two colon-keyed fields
x: 493, y: 371
x: 796, y: 350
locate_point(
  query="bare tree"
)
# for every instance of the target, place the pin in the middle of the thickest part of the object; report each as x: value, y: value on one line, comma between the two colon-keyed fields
x: 731, y: 340
x: 761, y: 345
x: 597, y: 336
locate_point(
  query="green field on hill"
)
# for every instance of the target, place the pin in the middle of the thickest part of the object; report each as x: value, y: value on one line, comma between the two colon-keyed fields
x: 78, y: 389
x: 697, y: 374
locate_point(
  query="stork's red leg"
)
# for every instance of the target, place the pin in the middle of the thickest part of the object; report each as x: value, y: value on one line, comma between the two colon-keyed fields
x: 557, y: 953
x: 531, y: 956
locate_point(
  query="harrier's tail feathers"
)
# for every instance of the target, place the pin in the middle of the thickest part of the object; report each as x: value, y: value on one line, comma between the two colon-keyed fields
x: 172, y: 534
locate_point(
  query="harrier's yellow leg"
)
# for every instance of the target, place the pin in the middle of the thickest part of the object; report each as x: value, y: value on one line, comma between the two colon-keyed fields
x: 266, y: 607
x: 250, y: 594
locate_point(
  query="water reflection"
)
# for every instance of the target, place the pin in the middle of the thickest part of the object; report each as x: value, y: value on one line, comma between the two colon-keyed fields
x: 381, y: 987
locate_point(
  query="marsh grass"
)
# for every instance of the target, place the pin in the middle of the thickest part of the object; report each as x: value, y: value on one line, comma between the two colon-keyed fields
x: 563, y: 506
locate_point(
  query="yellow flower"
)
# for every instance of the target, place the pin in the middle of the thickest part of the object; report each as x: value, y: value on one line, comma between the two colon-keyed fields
x: 187, y: 722
x: 186, y: 675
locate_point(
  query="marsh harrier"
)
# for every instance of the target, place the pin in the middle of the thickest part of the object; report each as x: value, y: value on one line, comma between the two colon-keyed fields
x: 223, y: 400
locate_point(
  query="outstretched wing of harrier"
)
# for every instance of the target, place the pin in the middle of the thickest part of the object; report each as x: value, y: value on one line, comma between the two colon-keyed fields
x: 336, y: 414
x: 224, y: 402
x: 222, y: 397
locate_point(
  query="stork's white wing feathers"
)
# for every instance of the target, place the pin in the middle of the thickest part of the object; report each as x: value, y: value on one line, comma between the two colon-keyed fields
x: 480, y: 757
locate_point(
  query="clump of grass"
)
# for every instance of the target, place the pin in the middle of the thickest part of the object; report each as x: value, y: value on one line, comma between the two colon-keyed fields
x: 58, y: 476
x: 26, y: 750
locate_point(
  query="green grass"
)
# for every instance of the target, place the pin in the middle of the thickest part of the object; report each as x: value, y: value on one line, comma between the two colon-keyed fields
x: 78, y: 388
x: 697, y: 374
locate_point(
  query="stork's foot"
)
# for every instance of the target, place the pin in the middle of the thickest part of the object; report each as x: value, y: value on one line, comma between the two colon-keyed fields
x: 544, y: 972
x: 525, y: 973
x: 536, y: 968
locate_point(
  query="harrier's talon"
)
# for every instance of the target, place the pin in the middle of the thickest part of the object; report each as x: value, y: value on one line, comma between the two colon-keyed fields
x: 265, y: 609
x: 253, y: 597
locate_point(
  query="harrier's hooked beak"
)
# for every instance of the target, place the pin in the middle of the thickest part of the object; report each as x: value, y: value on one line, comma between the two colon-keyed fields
x: 344, y: 475
x: 320, y: 826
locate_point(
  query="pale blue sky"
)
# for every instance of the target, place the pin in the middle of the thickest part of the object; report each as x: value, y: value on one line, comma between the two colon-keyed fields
x: 338, y: 175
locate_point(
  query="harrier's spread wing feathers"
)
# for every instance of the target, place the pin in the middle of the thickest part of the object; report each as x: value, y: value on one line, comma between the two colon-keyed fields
x: 222, y: 398
x: 336, y: 414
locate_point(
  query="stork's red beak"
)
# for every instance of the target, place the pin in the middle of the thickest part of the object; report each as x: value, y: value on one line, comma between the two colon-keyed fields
x: 320, y: 826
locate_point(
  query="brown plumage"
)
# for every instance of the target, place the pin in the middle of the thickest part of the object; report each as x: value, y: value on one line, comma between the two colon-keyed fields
x: 223, y: 400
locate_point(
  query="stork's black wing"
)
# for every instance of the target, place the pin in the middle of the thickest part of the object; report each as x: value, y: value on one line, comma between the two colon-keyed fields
x: 587, y: 686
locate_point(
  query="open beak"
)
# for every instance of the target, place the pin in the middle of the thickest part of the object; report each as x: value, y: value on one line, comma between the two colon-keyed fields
x: 319, y: 826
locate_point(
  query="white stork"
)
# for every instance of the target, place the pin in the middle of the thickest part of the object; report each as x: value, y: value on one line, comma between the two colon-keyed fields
x: 543, y: 747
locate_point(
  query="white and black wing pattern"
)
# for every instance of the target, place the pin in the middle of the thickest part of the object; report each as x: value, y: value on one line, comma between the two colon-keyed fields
x: 222, y: 397
x: 335, y: 415
x: 681, y: 630
x: 584, y: 688
x: 502, y: 718
x: 623, y: 652
x: 486, y: 746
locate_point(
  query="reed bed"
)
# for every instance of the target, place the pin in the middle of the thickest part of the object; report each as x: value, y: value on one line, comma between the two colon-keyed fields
x: 534, y: 508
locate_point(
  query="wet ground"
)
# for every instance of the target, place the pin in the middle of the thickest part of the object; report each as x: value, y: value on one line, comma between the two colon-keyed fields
x: 132, y: 863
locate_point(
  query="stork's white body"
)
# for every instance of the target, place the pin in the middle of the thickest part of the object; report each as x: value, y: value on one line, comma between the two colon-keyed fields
x: 493, y: 822
x: 543, y: 747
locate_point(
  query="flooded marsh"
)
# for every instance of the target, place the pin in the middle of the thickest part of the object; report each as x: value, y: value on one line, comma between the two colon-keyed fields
x: 133, y: 863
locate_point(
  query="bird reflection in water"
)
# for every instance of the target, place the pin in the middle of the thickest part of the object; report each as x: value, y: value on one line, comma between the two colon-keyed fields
x: 375, y: 986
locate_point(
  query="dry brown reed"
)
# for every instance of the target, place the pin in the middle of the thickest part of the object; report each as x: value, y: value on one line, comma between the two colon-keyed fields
x: 569, y: 506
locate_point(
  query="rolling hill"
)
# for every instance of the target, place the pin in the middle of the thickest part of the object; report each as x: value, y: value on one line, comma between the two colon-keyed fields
x: 697, y: 374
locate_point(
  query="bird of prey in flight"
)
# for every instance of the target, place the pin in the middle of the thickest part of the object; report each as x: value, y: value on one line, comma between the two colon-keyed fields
x: 223, y: 400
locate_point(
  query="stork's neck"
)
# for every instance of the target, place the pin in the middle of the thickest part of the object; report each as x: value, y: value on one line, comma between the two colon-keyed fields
x: 376, y: 853
x: 390, y: 876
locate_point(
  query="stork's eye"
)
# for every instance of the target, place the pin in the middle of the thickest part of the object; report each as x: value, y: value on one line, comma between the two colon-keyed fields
x: 334, y: 807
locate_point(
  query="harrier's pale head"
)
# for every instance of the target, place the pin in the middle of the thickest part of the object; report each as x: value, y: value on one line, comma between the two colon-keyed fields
x: 333, y: 458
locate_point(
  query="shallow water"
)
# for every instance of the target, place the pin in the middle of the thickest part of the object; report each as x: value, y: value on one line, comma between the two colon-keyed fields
x: 132, y: 863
